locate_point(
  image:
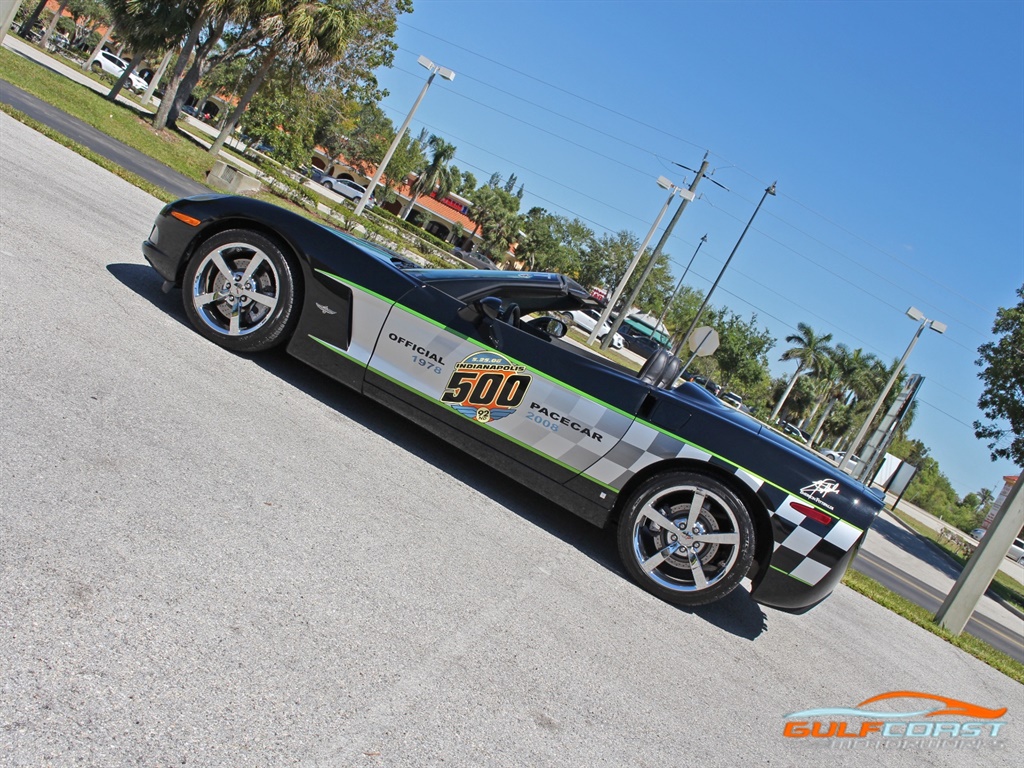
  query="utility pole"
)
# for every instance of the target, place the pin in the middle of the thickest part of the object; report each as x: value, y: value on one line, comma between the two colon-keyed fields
x: 672, y: 188
x: 679, y: 285
x: 687, y: 196
x: 707, y: 298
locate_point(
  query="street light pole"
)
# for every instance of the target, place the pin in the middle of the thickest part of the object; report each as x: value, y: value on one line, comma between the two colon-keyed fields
x: 687, y: 196
x: 679, y: 285
x: 435, y: 69
x: 707, y: 298
x: 915, y: 314
x: 664, y: 184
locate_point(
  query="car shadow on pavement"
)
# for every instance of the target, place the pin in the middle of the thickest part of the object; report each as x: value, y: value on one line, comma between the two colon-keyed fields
x: 737, y: 613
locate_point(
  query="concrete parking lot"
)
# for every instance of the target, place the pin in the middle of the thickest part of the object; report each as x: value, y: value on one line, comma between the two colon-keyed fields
x: 219, y: 560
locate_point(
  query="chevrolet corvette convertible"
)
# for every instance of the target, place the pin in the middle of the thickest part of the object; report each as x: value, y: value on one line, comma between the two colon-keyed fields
x: 699, y: 495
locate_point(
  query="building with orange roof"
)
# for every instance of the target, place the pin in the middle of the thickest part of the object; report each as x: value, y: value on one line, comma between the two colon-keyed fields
x: 447, y: 219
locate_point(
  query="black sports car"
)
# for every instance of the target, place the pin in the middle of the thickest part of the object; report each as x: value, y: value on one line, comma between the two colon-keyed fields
x: 701, y: 495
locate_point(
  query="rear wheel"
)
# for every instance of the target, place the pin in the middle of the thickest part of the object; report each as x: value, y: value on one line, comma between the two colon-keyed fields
x: 239, y: 291
x: 96, y: 67
x: 686, y: 538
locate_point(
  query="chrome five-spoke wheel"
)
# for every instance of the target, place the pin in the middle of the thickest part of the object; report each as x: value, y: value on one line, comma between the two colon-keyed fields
x: 686, y: 538
x: 239, y: 291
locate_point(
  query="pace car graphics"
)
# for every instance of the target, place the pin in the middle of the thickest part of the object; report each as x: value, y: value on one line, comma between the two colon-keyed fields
x: 807, y: 540
x: 487, y: 387
x: 412, y: 351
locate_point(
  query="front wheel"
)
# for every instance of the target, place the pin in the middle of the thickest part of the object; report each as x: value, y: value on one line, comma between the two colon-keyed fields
x: 239, y: 291
x: 686, y: 538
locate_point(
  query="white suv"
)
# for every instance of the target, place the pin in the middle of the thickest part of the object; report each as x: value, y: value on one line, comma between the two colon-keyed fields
x: 587, y: 320
x: 114, y: 65
x: 346, y: 188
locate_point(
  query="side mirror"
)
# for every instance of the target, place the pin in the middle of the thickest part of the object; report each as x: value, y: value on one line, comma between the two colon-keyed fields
x: 551, y: 326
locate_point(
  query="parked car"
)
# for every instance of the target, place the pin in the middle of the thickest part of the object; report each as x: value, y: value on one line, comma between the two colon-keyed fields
x: 978, y: 533
x: 587, y: 320
x: 700, y: 496
x: 837, y: 457
x: 704, y: 381
x: 474, y: 259
x: 1016, y: 552
x: 732, y: 399
x: 347, y: 188
x: 115, y: 66
x: 794, y: 431
x: 644, y: 346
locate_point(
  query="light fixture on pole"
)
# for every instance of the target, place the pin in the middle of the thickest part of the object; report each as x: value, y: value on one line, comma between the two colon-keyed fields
x: 435, y: 69
x: 707, y: 298
x: 679, y: 285
x: 914, y: 314
x: 688, y: 195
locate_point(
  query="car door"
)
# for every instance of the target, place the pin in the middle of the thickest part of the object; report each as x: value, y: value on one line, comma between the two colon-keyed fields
x: 533, y: 400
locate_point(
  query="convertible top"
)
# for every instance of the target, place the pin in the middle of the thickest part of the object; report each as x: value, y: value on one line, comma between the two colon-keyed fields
x: 532, y: 291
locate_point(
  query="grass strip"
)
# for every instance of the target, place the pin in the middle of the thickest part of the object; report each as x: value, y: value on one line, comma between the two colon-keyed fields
x: 897, y: 604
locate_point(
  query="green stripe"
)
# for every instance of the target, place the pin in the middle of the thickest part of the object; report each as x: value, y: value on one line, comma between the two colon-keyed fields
x: 797, y: 578
x: 339, y: 350
x: 350, y: 284
x: 560, y: 383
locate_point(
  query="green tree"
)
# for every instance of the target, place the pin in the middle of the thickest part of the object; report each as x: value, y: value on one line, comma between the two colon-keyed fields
x: 742, y: 354
x: 437, y: 178
x: 809, y: 350
x: 1002, y: 400
x: 306, y: 34
x: 496, y: 213
x: 366, y: 145
x: 603, y: 262
x: 146, y: 27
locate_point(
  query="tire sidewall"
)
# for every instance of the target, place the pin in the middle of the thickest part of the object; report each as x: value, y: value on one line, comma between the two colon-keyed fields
x: 656, y: 486
x: 284, y: 316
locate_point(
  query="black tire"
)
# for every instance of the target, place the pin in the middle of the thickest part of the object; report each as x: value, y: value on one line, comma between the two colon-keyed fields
x: 681, y: 560
x: 96, y: 67
x: 240, y: 290
x: 329, y: 185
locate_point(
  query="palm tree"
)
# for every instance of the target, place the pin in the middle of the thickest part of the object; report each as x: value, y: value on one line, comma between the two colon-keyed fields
x: 436, y: 176
x: 312, y: 34
x: 146, y: 26
x: 809, y: 351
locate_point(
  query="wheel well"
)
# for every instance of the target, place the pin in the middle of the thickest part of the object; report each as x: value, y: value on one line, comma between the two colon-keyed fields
x: 763, y: 538
x: 248, y: 224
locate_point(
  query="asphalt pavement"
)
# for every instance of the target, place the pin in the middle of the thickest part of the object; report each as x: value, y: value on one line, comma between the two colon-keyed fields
x: 216, y: 559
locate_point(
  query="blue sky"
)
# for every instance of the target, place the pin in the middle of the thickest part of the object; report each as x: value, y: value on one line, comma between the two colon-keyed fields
x: 895, y: 131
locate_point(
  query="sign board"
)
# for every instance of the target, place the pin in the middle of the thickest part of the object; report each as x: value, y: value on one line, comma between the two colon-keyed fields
x: 703, y: 341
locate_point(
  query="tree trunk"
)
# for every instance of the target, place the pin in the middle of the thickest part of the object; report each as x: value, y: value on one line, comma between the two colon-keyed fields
x: 163, y: 114
x: 53, y: 24
x: 99, y: 47
x: 119, y: 85
x: 154, y: 81
x: 25, y: 28
x: 407, y: 208
x: 238, y: 111
x: 785, y: 395
x: 821, y: 422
